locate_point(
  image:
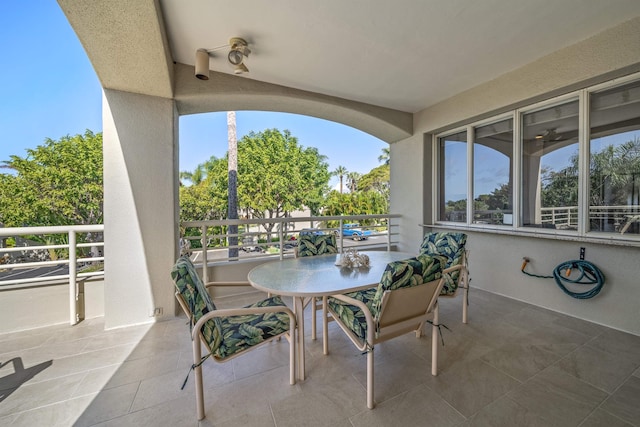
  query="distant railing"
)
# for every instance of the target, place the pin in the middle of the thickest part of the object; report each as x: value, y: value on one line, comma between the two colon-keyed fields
x: 277, y: 237
x: 616, y: 218
x: 560, y: 217
x: 26, y: 262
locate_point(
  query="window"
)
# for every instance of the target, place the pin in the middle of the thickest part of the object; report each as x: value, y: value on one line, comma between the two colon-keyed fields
x: 453, y: 177
x: 569, y: 165
x: 614, y: 162
x: 492, y: 173
x: 550, y: 167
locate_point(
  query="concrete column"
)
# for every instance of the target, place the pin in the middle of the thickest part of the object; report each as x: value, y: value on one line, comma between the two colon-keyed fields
x: 141, y: 206
x: 409, y: 176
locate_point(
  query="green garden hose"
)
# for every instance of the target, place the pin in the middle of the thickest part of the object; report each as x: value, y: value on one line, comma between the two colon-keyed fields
x: 589, y: 275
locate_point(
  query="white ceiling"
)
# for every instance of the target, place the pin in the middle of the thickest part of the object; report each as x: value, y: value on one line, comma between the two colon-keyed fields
x: 401, y: 54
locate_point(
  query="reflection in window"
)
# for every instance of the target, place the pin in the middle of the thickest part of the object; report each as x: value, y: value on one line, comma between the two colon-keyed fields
x: 550, y: 167
x: 492, y: 173
x: 453, y: 177
x: 614, y: 183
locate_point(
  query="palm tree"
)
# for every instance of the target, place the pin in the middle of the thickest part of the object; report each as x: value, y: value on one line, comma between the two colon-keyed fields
x: 340, y: 171
x: 197, y: 176
x: 385, y: 156
x: 232, y: 212
x: 352, y: 181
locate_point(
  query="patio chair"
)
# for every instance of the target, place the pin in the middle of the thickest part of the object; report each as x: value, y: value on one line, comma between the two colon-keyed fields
x: 313, y: 244
x: 227, y: 333
x: 406, y: 297
x: 456, y: 273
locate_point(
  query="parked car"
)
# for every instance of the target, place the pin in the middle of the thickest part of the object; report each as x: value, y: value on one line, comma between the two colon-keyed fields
x: 311, y: 232
x: 355, y: 232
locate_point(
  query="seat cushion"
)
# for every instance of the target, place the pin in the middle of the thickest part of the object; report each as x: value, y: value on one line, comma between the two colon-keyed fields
x: 352, y: 316
x: 242, y: 332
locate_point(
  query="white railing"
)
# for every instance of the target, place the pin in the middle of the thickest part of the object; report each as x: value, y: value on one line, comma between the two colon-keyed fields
x: 618, y: 217
x: 63, y: 260
x: 277, y: 237
x: 28, y: 265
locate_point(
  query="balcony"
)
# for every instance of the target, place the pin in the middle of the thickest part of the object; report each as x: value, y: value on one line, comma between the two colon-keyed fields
x: 513, y: 364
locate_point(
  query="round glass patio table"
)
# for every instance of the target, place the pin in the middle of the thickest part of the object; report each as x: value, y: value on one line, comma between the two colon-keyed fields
x: 318, y: 276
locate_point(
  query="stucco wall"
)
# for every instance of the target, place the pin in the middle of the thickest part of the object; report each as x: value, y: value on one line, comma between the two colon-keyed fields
x: 140, y: 208
x: 496, y: 259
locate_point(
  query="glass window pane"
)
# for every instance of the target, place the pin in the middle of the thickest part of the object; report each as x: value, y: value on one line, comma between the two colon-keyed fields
x: 453, y: 177
x: 492, y: 174
x: 550, y: 167
x: 614, y: 184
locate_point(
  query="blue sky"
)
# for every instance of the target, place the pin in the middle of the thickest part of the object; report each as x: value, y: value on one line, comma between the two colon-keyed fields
x: 48, y: 89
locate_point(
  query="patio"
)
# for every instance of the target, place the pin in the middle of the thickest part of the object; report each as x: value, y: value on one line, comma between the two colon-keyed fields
x: 513, y: 364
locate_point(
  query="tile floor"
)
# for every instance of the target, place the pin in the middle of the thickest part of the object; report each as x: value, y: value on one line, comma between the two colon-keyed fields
x: 513, y: 365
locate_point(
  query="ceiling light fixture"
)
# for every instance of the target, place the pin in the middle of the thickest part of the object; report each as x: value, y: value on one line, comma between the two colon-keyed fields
x: 202, y: 64
x: 239, y: 50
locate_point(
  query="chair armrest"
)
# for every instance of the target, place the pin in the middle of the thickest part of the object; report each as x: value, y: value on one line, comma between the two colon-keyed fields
x: 228, y: 312
x: 452, y: 269
x: 367, y: 314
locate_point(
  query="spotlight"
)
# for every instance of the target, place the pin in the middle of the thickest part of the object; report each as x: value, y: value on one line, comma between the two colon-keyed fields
x: 202, y: 64
x: 238, y: 52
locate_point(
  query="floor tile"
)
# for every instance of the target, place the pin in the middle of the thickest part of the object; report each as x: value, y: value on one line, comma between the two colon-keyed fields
x: 521, y: 361
x: 625, y: 402
x: 559, y: 397
x: 600, y: 418
x: 505, y: 412
x: 468, y: 387
x: 43, y: 393
x: 108, y: 404
x: 419, y: 406
x: 61, y: 414
x: 599, y: 368
x: 619, y: 343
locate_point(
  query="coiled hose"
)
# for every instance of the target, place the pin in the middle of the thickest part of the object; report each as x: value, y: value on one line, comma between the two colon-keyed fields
x: 588, y: 275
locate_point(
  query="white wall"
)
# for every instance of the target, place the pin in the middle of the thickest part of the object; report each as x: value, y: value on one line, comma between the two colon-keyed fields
x: 140, y: 208
x: 496, y: 259
x: 29, y: 308
x: 408, y: 173
x: 495, y: 262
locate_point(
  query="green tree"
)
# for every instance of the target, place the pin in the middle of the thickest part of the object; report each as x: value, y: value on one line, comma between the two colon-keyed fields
x: 358, y: 203
x: 276, y: 176
x: 340, y: 172
x: 376, y: 180
x: 57, y: 183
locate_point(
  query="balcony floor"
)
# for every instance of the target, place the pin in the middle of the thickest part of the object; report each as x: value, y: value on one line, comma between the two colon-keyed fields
x: 513, y: 365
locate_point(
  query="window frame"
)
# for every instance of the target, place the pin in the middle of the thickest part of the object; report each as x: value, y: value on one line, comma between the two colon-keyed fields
x: 582, y: 233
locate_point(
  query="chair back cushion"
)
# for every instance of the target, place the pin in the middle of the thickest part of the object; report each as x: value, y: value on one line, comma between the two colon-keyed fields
x: 198, y: 300
x: 451, y: 246
x: 317, y: 244
x: 405, y: 274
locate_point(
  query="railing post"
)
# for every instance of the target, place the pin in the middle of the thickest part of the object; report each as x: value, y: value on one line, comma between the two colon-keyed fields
x: 388, y: 234
x: 341, y: 235
x: 73, y: 289
x: 281, y: 238
x: 205, y: 247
